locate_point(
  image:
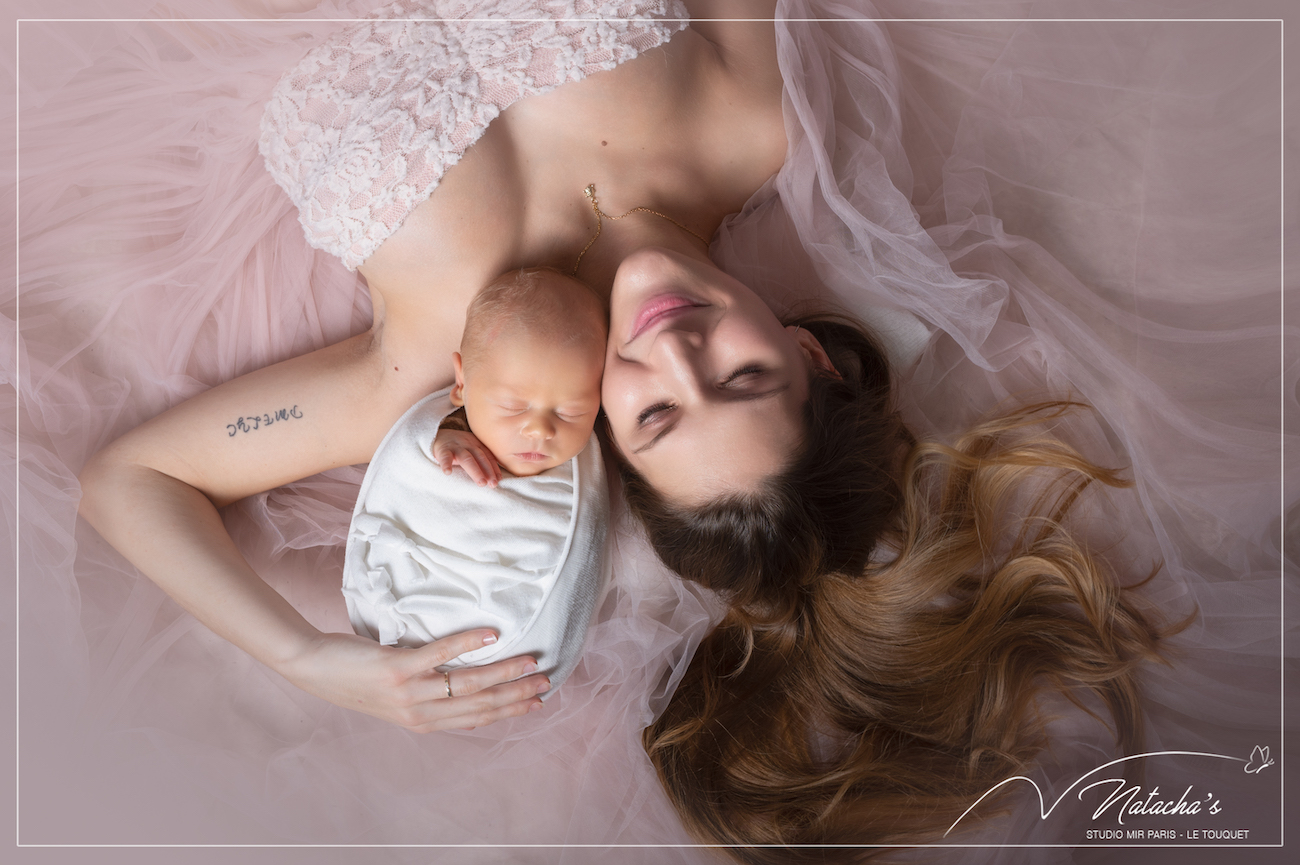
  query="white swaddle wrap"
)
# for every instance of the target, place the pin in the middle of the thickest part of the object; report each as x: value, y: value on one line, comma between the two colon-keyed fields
x: 431, y: 554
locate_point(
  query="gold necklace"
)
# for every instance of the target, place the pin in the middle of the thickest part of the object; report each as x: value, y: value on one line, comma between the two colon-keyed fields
x: 601, y: 215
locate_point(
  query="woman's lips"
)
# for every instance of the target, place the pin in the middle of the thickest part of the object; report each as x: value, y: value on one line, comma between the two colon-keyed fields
x: 657, y: 308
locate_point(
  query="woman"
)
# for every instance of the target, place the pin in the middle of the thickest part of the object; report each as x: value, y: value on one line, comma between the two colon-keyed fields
x: 514, y: 199
x: 839, y: 221
x: 895, y: 610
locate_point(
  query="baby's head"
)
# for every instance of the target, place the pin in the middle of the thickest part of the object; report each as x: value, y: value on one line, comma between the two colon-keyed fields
x: 528, y: 370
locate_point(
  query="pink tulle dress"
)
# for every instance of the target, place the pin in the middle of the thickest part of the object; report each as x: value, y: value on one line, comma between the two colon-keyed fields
x: 1080, y: 208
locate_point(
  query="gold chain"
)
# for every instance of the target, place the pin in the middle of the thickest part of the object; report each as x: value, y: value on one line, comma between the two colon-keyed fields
x: 601, y: 215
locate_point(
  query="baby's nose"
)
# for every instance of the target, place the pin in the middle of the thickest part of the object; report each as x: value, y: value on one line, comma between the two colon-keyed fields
x: 539, y: 427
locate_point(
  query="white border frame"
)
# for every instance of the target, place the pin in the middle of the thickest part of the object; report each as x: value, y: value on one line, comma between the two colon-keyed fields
x: 18, y: 500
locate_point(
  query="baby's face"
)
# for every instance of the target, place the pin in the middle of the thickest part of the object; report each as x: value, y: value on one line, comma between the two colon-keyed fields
x: 533, y: 403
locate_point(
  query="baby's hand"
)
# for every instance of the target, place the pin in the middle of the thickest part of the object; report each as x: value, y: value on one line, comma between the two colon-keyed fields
x: 453, y: 447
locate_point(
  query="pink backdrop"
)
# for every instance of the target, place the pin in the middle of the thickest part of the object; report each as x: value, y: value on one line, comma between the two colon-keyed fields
x: 1068, y: 207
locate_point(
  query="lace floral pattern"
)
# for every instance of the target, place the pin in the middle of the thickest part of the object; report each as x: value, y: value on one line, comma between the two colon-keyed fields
x: 360, y: 132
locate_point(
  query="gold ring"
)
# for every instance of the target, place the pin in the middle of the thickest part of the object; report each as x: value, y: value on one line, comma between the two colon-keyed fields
x: 446, y: 680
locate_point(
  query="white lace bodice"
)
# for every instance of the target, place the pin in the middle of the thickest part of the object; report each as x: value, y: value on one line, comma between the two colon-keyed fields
x: 361, y: 131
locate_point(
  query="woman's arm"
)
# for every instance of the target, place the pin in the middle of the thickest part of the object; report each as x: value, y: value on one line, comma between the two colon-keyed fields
x: 153, y: 494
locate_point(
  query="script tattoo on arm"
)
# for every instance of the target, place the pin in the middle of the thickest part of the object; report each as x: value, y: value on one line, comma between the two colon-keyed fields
x: 257, y: 421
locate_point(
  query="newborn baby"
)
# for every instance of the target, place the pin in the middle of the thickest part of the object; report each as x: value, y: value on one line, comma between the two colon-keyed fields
x: 495, y: 516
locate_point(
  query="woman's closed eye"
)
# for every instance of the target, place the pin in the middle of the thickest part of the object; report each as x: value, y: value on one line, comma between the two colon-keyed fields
x: 737, y: 376
x: 651, y: 412
x: 745, y: 372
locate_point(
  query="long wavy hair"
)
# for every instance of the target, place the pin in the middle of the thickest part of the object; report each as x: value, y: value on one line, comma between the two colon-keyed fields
x: 895, y: 607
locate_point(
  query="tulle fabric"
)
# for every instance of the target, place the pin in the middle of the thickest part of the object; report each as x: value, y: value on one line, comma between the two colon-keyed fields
x: 1074, y: 211
x: 1081, y: 209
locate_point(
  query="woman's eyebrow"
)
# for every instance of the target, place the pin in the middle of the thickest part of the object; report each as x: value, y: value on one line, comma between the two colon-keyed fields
x: 654, y: 441
x: 740, y: 397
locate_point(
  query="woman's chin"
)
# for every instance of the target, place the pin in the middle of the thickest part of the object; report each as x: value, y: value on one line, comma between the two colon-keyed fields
x: 645, y: 269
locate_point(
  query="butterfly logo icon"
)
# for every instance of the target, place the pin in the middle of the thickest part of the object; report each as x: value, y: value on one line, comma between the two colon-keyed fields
x: 1259, y: 760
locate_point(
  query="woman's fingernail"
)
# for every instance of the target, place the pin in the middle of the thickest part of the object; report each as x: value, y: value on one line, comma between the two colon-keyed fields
x: 544, y: 686
x: 489, y: 639
x: 530, y: 667
x: 535, y: 706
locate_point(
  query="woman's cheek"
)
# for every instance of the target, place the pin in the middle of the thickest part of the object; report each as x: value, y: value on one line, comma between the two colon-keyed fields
x: 620, y: 417
x: 613, y: 395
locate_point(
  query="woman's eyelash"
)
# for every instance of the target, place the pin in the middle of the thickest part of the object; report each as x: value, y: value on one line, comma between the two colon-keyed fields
x: 650, y: 412
x: 751, y: 369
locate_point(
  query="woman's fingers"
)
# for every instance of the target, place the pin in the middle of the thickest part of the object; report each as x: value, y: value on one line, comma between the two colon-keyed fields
x: 467, y: 681
x: 479, y: 719
x: 470, y: 681
x: 421, y: 661
x: 510, y: 699
x: 480, y: 695
x: 419, y: 666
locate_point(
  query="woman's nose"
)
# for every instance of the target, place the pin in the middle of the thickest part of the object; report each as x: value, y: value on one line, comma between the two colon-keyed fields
x: 678, y: 353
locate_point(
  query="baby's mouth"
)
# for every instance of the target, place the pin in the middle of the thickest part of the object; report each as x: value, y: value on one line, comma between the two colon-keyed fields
x: 532, y: 456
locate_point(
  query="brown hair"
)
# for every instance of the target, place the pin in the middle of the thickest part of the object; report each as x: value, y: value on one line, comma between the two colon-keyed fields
x: 846, y: 699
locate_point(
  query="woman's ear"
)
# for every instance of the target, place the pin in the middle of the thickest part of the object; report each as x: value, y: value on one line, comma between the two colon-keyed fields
x: 457, y: 395
x: 812, y: 349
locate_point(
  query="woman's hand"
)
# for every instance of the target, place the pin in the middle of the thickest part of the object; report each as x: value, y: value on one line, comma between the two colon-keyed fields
x: 404, y: 687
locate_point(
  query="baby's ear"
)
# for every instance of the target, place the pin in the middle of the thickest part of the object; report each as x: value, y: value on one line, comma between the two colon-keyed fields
x: 457, y: 395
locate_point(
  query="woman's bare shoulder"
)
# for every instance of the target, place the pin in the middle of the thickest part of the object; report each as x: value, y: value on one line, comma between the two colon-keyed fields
x: 455, y: 241
x: 742, y: 32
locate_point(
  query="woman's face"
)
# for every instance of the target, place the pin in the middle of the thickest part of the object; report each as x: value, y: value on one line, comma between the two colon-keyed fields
x: 703, y: 387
